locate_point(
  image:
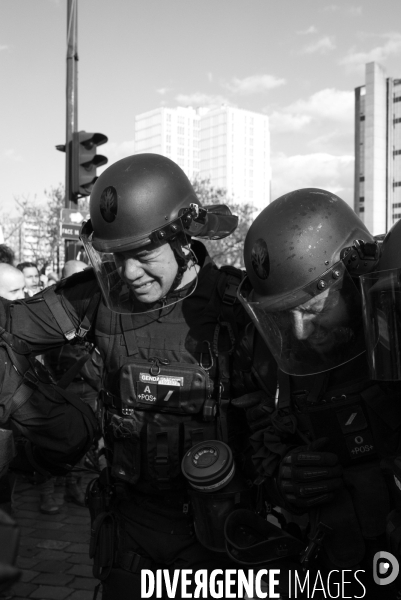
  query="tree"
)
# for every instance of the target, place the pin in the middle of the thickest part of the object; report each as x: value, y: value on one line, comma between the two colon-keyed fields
x: 229, y: 250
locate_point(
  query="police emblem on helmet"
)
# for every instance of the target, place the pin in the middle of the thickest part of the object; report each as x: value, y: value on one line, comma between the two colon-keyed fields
x: 108, y: 204
x: 260, y: 259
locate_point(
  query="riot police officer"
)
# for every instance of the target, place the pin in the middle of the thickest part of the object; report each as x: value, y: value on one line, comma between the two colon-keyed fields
x: 320, y: 450
x: 165, y: 321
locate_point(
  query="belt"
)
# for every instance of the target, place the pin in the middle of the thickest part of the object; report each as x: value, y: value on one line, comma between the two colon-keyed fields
x: 132, y: 561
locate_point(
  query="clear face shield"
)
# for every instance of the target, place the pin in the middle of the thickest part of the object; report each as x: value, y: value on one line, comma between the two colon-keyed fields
x: 381, y: 295
x: 150, y: 292
x: 313, y: 329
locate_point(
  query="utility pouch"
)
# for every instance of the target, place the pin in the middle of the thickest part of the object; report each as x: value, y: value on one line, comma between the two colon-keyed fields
x: 346, y: 424
x: 102, y: 544
x: 127, y: 459
x: 98, y: 497
x: 9, y: 536
x: 160, y: 386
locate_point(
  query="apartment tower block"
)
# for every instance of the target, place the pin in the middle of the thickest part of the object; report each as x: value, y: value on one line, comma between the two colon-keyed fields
x: 230, y: 146
x: 377, y: 189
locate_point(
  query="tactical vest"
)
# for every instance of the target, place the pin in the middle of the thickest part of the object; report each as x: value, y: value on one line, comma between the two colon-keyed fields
x: 362, y: 422
x: 167, y: 381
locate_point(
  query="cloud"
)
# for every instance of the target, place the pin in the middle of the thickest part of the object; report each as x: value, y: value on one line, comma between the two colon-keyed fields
x: 13, y: 155
x: 355, y: 60
x: 309, y: 30
x: 3, y: 47
x: 254, y: 84
x: 201, y: 99
x: 210, y: 76
x: 323, y: 45
x: 356, y: 11
x: 326, y: 105
x: 330, y: 8
x: 284, y: 122
x: 322, y: 170
x: 163, y: 91
x: 329, y: 103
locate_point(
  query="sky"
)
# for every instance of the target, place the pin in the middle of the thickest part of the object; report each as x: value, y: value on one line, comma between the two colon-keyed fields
x: 298, y: 61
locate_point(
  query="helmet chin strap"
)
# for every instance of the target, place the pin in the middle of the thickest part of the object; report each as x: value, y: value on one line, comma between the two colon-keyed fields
x: 182, y: 259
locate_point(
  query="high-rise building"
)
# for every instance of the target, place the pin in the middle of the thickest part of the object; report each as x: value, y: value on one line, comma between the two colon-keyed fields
x: 377, y: 190
x: 230, y: 146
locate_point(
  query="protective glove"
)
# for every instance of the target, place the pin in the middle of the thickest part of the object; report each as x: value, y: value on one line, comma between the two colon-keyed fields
x: 258, y: 407
x: 308, y: 477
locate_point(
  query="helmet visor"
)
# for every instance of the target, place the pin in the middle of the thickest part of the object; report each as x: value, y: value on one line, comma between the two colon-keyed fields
x: 312, y: 329
x: 381, y: 295
x: 119, y: 296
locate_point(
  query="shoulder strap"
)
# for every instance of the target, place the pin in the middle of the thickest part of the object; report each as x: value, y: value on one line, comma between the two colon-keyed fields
x: 88, y: 317
x: 76, y: 368
x: 59, y: 313
x: 233, y: 279
x: 129, y: 334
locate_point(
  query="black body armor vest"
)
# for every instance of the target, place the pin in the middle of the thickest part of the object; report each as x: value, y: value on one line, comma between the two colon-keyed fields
x: 167, y: 381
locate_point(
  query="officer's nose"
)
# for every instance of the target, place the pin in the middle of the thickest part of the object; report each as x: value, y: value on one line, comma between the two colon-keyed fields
x: 131, y: 269
x: 302, y: 324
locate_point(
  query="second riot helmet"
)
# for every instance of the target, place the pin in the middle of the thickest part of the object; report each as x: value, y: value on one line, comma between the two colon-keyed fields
x: 301, y: 254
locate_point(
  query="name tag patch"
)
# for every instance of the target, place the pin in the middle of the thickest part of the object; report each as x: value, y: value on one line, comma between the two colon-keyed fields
x: 159, y: 390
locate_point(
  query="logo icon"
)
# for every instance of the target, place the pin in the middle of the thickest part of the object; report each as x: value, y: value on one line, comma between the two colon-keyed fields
x: 108, y: 204
x: 260, y: 259
x: 385, y: 568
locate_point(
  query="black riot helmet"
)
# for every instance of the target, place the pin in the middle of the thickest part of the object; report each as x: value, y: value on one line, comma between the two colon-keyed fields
x: 145, y: 200
x: 301, y: 255
x: 381, y: 294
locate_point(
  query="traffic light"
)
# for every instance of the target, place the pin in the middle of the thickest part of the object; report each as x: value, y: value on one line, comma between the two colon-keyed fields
x: 85, y: 161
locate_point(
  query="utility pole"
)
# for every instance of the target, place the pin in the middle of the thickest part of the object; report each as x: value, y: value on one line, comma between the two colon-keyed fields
x: 72, y: 93
x: 71, y: 106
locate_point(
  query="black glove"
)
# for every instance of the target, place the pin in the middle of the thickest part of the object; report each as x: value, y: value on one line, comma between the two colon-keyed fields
x: 308, y: 477
x: 258, y: 407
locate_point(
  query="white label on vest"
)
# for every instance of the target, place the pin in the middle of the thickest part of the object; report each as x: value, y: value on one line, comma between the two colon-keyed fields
x: 162, y: 379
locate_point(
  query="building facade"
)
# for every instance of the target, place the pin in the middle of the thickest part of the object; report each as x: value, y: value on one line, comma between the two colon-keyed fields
x: 377, y: 189
x: 229, y: 146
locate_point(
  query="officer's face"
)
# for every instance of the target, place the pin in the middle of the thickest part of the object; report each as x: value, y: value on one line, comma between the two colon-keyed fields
x: 149, y: 273
x: 12, y: 284
x: 323, y: 322
x: 31, y: 275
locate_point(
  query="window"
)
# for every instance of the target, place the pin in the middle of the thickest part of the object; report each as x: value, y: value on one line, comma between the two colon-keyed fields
x: 397, y: 216
x: 361, y: 178
x: 181, y: 141
x: 180, y: 151
x: 397, y: 121
x: 396, y: 152
x: 397, y: 99
x: 181, y: 120
x: 168, y: 118
x: 362, y: 199
x: 397, y: 184
x: 180, y: 130
x: 362, y: 118
x: 397, y: 205
x: 361, y: 209
x: 168, y: 149
x: 168, y: 139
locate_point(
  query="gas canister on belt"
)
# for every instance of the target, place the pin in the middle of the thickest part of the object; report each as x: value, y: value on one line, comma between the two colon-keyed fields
x: 217, y: 488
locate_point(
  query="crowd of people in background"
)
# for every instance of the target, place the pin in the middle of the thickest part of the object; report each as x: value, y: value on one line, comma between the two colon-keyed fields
x: 23, y: 280
x: 13, y: 285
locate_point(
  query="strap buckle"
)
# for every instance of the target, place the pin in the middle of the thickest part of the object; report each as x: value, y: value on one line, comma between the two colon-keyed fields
x: 230, y: 292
